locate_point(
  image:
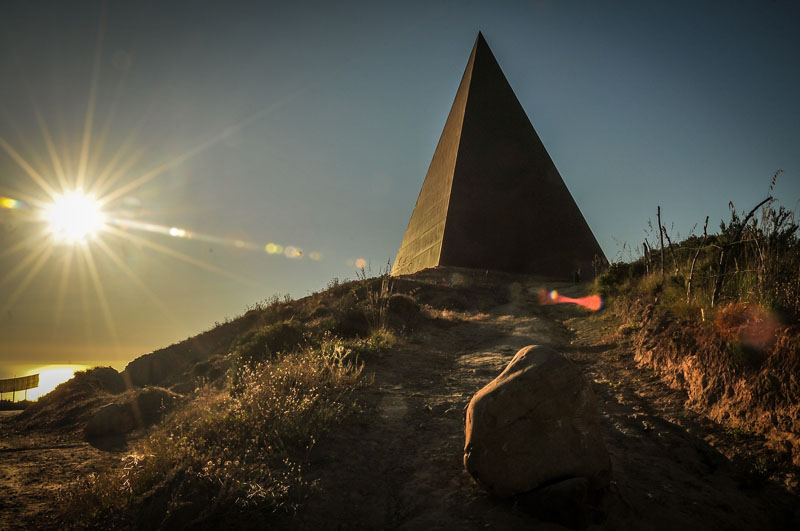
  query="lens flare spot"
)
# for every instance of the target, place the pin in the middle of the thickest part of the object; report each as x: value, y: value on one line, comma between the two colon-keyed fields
x: 273, y: 248
x: 591, y: 302
x: 177, y: 233
x: 748, y: 324
x: 74, y: 217
x: 292, y: 252
x: 10, y: 203
x: 360, y: 263
x: 315, y: 255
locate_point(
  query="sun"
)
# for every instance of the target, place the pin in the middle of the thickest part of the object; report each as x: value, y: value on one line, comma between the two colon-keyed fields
x: 74, y: 217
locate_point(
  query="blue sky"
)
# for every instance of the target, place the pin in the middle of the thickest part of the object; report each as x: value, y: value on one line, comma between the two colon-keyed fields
x: 312, y: 125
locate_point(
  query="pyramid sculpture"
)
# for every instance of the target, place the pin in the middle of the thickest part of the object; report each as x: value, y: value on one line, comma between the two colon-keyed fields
x: 492, y: 198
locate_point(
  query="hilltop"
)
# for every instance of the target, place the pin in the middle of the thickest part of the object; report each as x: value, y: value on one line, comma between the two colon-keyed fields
x: 345, y: 408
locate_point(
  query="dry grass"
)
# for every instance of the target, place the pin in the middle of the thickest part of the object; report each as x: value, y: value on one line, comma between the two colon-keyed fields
x: 265, y: 388
x: 737, y: 356
x: 753, y: 259
x: 240, y: 448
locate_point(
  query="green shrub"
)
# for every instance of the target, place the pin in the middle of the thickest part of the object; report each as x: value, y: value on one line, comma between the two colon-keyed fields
x: 352, y: 322
x: 612, y: 280
x: 402, y: 312
x: 261, y: 344
x: 379, y: 340
x: 212, y: 369
x: 202, y: 368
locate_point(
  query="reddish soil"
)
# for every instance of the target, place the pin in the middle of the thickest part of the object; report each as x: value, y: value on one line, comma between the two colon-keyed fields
x: 399, y: 464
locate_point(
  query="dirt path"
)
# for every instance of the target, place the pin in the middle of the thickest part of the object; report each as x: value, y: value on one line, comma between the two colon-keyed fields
x: 34, y: 467
x: 399, y: 466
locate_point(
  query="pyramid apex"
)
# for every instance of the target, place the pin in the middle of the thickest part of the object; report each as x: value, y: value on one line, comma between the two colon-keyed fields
x: 480, y: 43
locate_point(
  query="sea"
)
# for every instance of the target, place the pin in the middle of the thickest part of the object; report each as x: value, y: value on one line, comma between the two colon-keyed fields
x: 50, y: 375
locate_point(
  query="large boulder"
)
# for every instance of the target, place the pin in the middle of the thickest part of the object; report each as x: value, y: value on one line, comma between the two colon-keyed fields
x: 535, y: 424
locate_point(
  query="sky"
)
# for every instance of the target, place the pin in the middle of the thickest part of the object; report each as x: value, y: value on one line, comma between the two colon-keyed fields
x: 213, y: 129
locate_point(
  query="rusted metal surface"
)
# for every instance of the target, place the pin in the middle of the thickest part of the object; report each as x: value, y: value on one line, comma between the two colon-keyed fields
x: 22, y: 383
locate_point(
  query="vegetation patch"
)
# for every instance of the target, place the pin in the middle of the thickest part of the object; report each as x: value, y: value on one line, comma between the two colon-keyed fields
x: 263, y: 343
x: 718, y: 315
x: 234, y: 453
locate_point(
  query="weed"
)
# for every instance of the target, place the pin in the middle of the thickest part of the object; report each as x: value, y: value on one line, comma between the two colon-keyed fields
x: 739, y: 433
x: 761, y: 465
x: 753, y: 259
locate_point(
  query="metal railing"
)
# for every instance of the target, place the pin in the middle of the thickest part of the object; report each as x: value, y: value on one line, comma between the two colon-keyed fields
x: 23, y: 383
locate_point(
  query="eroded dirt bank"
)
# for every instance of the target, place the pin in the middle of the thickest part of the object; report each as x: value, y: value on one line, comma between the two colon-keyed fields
x: 753, y: 388
x: 398, y: 465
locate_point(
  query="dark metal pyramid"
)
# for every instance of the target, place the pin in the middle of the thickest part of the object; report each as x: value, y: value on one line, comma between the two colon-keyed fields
x: 492, y: 198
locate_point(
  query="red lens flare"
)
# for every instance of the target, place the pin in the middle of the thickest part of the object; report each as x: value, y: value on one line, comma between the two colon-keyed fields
x: 591, y: 302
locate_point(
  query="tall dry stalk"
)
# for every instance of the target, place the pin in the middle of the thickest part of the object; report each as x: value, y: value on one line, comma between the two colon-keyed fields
x: 694, y: 261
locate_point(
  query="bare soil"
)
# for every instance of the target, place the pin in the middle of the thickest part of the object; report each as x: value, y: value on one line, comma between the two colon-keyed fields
x: 34, y: 468
x: 398, y: 465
